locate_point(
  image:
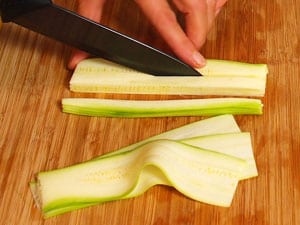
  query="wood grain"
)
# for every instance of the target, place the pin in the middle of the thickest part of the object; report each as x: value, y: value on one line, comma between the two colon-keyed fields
x: 35, y: 135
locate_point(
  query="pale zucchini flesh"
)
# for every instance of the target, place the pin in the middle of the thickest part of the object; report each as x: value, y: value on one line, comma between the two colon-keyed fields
x: 220, y: 77
x: 225, y: 124
x: 198, y: 167
x: 199, y: 174
x: 233, y: 144
x: 211, y: 126
x: 160, y: 108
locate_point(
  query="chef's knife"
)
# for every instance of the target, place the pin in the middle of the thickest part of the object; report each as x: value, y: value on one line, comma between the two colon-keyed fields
x: 44, y: 17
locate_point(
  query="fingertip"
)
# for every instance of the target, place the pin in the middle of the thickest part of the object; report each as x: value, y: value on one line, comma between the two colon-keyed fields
x: 71, y: 64
x: 76, y: 57
x: 198, y: 60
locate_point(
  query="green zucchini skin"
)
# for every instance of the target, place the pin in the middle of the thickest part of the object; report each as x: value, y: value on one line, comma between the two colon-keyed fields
x: 161, y: 108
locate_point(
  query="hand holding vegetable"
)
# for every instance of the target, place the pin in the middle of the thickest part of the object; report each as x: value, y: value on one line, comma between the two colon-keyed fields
x: 199, y: 18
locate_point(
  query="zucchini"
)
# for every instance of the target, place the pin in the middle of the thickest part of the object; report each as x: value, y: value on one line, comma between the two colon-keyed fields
x: 211, y: 126
x: 209, y: 174
x: 221, y: 77
x: 159, y: 108
x: 234, y: 144
x: 199, y: 174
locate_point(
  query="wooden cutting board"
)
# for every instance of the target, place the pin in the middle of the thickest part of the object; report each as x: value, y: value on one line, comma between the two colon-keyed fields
x: 35, y: 135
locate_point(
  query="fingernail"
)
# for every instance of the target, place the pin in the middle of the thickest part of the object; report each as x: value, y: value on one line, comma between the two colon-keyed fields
x: 198, y: 59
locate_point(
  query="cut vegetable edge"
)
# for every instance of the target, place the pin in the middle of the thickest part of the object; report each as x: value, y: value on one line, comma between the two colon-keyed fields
x: 161, y: 108
x: 221, y: 77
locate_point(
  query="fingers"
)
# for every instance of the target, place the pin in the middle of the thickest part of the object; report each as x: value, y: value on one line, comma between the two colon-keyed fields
x: 211, y: 13
x: 76, y: 57
x: 91, y: 9
x: 164, y: 19
x: 219, y: 5
x: 196, y: 19
x: 199, y: 18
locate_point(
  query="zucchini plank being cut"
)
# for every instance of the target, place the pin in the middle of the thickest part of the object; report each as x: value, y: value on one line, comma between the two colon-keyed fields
x: 220, y: 77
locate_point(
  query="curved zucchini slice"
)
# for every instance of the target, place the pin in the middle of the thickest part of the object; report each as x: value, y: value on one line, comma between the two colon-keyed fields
x: 199, y: 174
x: 203, y: 160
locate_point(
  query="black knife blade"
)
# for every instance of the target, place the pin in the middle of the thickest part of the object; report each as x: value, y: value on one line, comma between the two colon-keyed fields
x: 44, y: 17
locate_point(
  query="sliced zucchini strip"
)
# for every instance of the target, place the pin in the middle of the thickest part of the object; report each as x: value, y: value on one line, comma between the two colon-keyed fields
x: 161, y: 108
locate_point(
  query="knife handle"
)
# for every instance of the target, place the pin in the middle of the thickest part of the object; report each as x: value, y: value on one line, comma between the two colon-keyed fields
x: 9, y: 9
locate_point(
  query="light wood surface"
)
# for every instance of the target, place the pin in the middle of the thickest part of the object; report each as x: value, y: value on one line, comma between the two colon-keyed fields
x: 35, y: 135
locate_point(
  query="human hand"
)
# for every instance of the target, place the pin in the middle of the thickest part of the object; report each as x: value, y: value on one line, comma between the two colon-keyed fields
x: 199, y: 18
x: 91, y: 9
